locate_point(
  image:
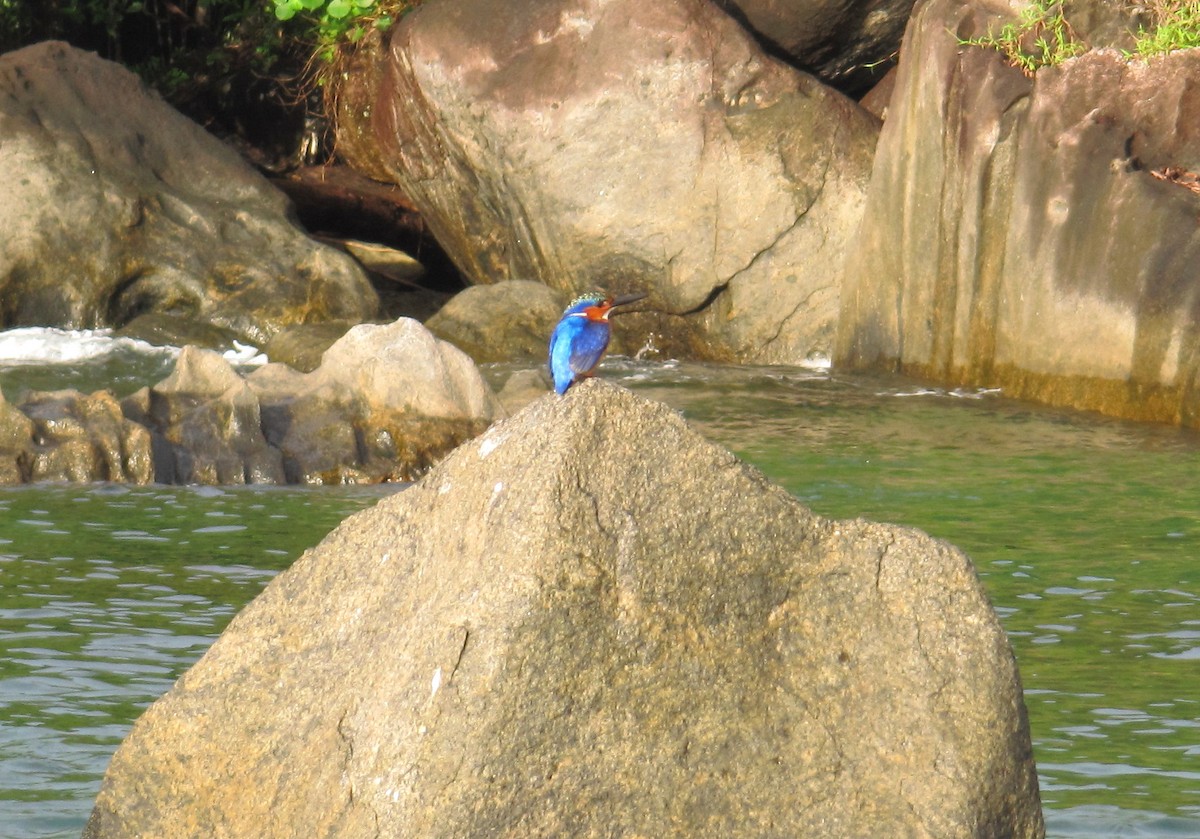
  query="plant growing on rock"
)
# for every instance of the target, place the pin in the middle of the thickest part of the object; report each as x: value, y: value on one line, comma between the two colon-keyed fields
x: 1041, y: 37
x: 1174, y: 25
x: 333, y: 24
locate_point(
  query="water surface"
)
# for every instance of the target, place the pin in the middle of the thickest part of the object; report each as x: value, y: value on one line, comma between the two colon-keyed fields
x: 1085, y: 531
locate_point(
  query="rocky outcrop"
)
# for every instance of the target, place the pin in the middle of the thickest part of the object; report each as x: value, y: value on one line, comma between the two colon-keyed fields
x: 66, y: 435
x: 386, y: 403
x: 1036, y: 234
x: 116, y: 205
x: 208, y: 425
x: 652, y: 146
x: 591, y: 622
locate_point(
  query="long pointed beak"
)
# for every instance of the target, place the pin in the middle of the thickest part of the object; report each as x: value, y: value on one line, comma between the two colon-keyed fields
x: 632, y: 297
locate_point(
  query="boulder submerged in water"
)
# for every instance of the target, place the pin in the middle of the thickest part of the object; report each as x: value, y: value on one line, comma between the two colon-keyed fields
x: 589, y: 621
x: 386, y: 402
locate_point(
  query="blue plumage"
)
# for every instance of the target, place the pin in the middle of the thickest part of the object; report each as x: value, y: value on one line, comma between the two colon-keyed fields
x: 581, y: 337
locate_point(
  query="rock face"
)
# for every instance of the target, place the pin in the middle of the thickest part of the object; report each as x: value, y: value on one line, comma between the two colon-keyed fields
x: 16, y: 444
x: 116, y: 205
x: 207, y: 425
x: 1033, y: 234
x: 86, y: 438
x: 69, y: 436
x: 591, y: 622
x: 617, y: 142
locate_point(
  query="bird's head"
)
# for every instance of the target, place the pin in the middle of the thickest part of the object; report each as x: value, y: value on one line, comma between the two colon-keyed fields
x: 597, y: 305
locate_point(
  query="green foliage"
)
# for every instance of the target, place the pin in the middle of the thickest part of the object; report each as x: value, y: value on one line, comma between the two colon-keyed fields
x: 1175, y: 26
x: 170, y: 43
x: 1041, y: 37
x: 333, y: 24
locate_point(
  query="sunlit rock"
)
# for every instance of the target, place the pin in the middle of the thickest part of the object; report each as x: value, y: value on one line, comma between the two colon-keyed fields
x: 502, y: 321
x: 591, y: 622
x: 1036, y: 234
x: 207, y: 425
x: 644, y: 145
x: 385, y: 403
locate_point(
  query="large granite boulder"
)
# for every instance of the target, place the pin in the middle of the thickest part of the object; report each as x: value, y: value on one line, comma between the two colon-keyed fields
x: 606, y: 144
x: 591, y: 622
x: 116, y: 205
x: 1036, y: 234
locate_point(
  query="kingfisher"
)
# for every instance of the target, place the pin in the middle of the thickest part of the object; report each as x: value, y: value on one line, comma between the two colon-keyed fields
x: 581, y: 337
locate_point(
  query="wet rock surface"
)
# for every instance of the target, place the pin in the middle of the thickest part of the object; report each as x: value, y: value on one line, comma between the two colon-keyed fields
x: 591, y: 622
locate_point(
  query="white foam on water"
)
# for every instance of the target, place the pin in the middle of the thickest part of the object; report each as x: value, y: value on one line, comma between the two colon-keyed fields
x: 817, y: 361
x: 956, y: 393
x: 245, y: 355
x: 29, y: 345
x: 51, y: 345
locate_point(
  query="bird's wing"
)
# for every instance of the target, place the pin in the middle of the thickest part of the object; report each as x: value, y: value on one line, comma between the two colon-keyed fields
x: 588, y: 346
x: 560, y: 354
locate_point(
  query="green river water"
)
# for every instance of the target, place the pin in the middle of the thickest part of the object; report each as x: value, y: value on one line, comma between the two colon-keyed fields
x: 1085, y: 531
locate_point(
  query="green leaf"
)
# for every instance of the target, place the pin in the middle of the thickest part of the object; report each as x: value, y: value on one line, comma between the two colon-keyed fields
x: 337, y: 9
